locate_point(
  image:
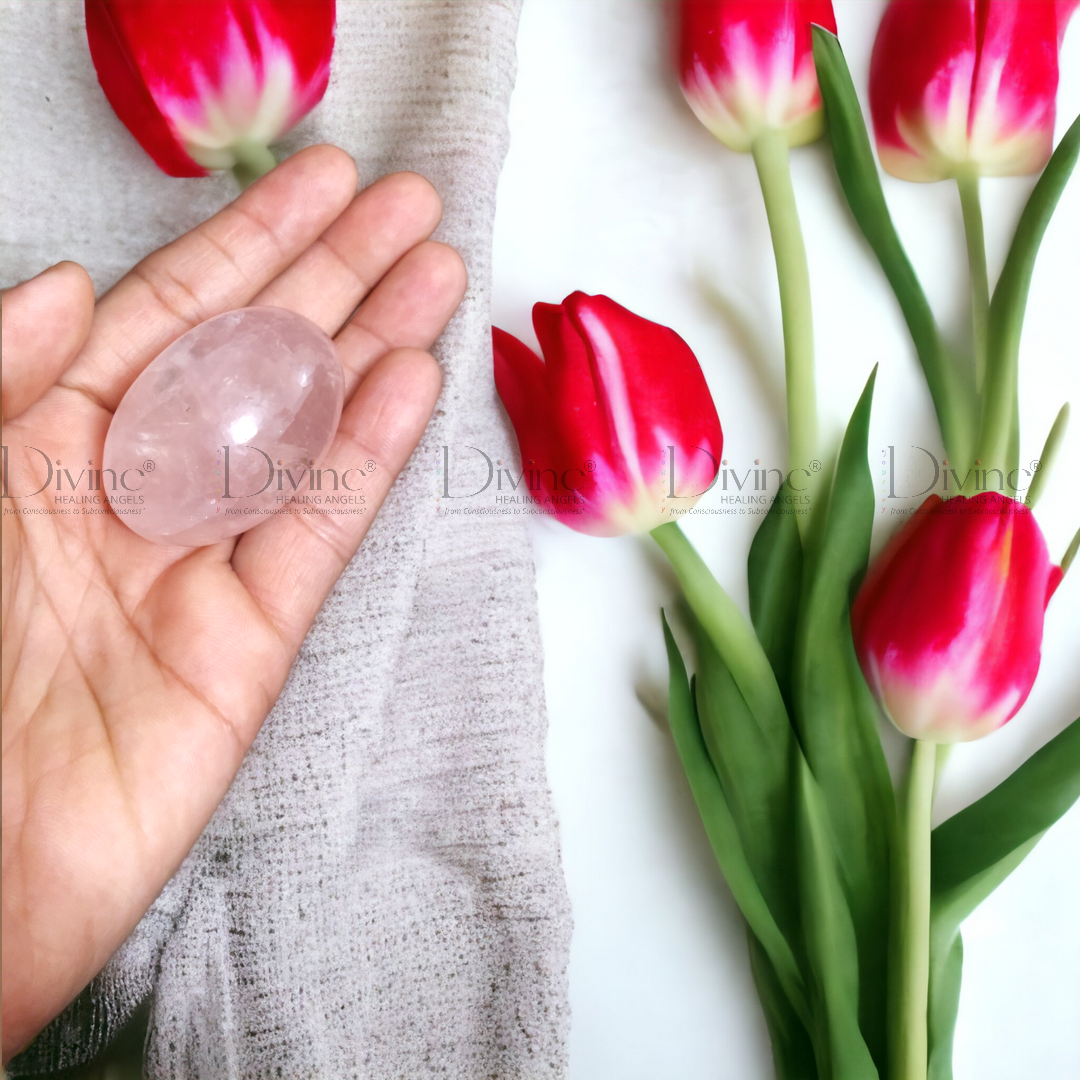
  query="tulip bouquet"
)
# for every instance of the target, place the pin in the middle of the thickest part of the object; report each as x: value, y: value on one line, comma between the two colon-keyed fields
x: 852, y: 904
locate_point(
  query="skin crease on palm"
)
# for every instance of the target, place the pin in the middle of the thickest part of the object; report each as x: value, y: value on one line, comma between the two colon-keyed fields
x: 135, y: 675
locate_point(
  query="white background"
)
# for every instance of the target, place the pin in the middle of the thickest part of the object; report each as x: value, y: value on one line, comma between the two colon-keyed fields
x: 612, y: 186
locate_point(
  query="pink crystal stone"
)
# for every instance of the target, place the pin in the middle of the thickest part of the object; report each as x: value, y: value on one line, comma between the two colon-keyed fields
x: 223, y: 426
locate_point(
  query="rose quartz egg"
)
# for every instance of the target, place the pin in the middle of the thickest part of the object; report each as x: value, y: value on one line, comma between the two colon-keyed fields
x: 222, y: 427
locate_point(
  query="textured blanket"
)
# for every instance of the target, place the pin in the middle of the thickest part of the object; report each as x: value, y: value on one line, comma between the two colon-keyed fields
x: 380, y: 894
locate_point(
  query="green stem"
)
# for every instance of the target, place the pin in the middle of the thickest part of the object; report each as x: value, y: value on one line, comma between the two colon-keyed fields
x: 770, y: 152
x: 911, y: 964
x: 727, y: 628
x: 252, y: 161
x: 968, y: 187
x: 944, y: 750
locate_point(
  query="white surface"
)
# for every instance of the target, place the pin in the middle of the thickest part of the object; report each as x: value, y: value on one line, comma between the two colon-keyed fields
x: 612, y: 186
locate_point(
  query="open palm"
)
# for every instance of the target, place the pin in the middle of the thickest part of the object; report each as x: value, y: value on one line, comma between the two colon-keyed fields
x: 135, y: 675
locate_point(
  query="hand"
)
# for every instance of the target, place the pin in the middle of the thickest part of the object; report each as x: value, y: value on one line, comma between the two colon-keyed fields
x: 136, y: 675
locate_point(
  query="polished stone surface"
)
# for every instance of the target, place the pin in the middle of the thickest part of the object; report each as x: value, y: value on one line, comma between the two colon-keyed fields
x: 223, y: 426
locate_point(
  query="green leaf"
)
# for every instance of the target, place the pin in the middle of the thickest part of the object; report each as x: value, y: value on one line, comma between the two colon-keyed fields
x: 728, y: 629
x: 793, y: 1052
x: 976, y: 849
x: 946, y: 968
x: 723, y: 836
x: 830, y: 941
x: 1048, y: 457
x: 753, y: 759
x: 1070, y: 552
x: 974, y: 852
x: 1010, y: 301
x: 946, y: 963
x: 951, y: 390
x: 836, y: 716
x: 774, y: 572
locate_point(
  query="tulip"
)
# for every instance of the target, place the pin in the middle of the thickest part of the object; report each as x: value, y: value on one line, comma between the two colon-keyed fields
x: 966, y: 87
x: 210, y: 84
x: 747, y: 66
x: 616, y: 425
x: 948, y: 624
x: 747, y: 71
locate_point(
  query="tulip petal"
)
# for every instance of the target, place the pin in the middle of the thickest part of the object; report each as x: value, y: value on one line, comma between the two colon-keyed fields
x: 520, y: 381
x: 648, y: 414
x: 949, y: 627
x: 129, y: 97
x: 194, y: 79
x: 614, y: 400
x: 965, y: 85
x: 747, y: 66
x: 575, y: 395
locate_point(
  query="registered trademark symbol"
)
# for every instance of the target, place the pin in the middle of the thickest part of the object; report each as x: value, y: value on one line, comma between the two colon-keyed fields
x: 148, y: 465
x: 1035, y: 465
x: 590, y: 465
x: 369, y: 465
x: 815, y: 465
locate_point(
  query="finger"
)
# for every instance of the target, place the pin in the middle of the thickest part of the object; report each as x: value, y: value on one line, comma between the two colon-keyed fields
x: 409, y: 309
x: 344, y: 264
x: 290, y: 563
x: 45, y: 323
x: 221, y: 264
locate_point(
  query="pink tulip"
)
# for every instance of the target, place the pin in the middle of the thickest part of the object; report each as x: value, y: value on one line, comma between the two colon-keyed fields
x: 966, y: 87
x: 948, y: 624
x: 210, y: 84
x: 748, y: 65
x: 616, y: 425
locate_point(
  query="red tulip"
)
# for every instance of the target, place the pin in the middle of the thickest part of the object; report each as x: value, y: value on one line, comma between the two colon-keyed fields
x: 209, y: 84
x: 748, y: 65
x: 966, y: 87
x: 616, y: 425
x: 948, y: 624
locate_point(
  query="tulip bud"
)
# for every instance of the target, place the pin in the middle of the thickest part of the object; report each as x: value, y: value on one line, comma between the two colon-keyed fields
x: 966, y: 87
x: 210, y: 84
x: 948, y: 624
x: 616, y: 425
x: 747, y: 66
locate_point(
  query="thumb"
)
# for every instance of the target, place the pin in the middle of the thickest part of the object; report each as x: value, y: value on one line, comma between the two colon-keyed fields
x: 44, y: 323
